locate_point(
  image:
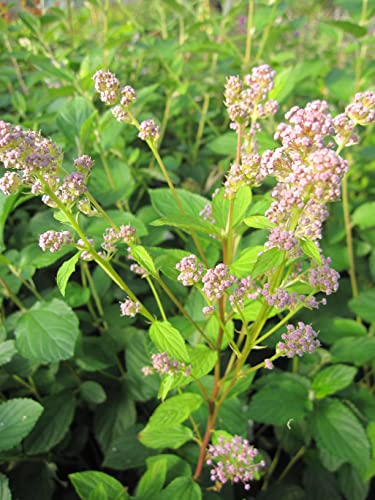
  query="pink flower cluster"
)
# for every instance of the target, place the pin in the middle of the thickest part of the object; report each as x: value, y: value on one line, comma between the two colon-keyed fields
x: 129, y: 307
x: 217, y: 280
x: 166, y: 365
x: 149, y: 131
x: 235, y: 460
x: 54, y: 240
x: 191, y: 270
x: 298, y: 341
x: 361, y: 111
x: 111, y: 237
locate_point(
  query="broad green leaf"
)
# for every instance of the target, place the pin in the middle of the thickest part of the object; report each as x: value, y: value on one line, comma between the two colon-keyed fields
x: 6, y: 205
x: 65, y: 271
x: 348, y: 27
x: 320, y: 484
x: 92, y: 392
x: 265, y: 405
x: 53, y: 424
x: 144, y: 259
x: 188, y: 223
x: 357, y: 350
x: 335, y: 329
x: 114, y: 417
x: 113, y: 183
x: 156, y: 436
x: 182, y: 488
x: 164, y: 203
x: 240, y: 204
x: 332, y: 379
x: 47, y: 332
x: 311, y: 249
x: 85, y: 482
x: 98, y: 493
x: 267, y: 260
x: 153, y: 479
x: 5, y: 493
x: 363, y: 216
x: 244, y: 263
x: 168, y: 339
x: 72, y: 117
x: 175, y: 410
x: 352, y: 486
x: 17, y: 418
x: 363, y: 305
x: 202, y: 359
x: 338, y: 432
x: 225, y: 145
x: 259, y: 222
x: 7, y: 351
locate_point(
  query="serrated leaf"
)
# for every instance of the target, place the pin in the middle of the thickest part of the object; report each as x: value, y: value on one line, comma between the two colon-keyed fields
x: 244, y: 263
x: 168, y: 339
x: 265, y: 405
x: 175, y: 410
x: 352, y: 486
x: 188, y: 223
x: 332, y: 379
x: 72, y: 116
x: 311, y: 249
x: 259, y: 222
x: 85, y: 482
x: 7, y: 351
x: 363, y: 305
x: 92, y: 392
x: 267, y: 260
x: 239, y: 206
x: 98, y: 493
x: 183, y: 488
x: 202, y: 359
x: 156, y: 436
x: 164, y: 203
x: 358, y: 350
x: 65, y: 271
x: 224, y: 145
x: 153, y: 479
x: 144, y: 259
x: 338, y: 432
x: 5, y: 493
x: 17, y: 418
x: 47, y: 332
x: 53, y: 424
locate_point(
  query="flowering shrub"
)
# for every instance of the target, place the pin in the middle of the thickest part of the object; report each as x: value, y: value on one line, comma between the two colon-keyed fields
x: 190, y: 311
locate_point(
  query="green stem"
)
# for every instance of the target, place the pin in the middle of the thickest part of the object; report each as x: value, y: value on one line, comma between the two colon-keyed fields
x: 157, y: 298
x: 11, y: 296
x: 100, y: 209
x: 266, y: 32
x: 295, y: 459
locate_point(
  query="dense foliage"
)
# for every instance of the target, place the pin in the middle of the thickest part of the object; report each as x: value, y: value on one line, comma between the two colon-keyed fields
x: 173, y: 324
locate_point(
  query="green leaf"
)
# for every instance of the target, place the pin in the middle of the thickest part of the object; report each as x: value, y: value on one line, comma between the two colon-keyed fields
x: 156, y: 436
x: 144, y: 259
x: 47, y: 332
x: 92, y: 392
x: 6, y: 206
x: 332, y: 379
x: 265, y: 406
x: 153, y: 479
x: 114, y: 417
x: 53, y: 424
x: 338, y: 433
x: 240, y: 204
x: 5, y: 493
x: 202, y: 359
x: 65, y: 272
x: 168, y: 339
x: 363, y: 216
x: 7, y: 351
x: 363, y: 305
x: 182, y: 488
x: 164, y: 203
x: 348, y: 27
x: 98, y: 493
x: 357, y: 350
x: 17, y: 418
x: 225, y: 145
x: 311, y: 249
x: 85, y: 482
x: 267, y: 260
x: 351, y: 483
x: 189, y: 223
x: 71, y: 118
x: 126, y: 452
x: 338, y: 328
x: 259, y: 222
x: 120, y: 188
x: 244, y: 263
x: 175, y: 410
